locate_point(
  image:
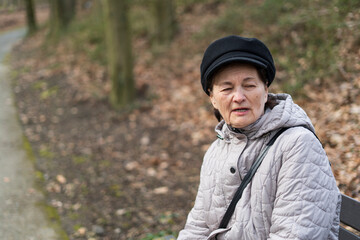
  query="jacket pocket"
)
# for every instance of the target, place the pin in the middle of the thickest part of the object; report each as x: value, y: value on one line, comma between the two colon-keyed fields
x: 216, y: 232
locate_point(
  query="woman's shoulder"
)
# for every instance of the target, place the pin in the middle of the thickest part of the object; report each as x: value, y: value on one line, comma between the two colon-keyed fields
x: 299, y: 135
x: 299, y: 139
x: 301, y: 143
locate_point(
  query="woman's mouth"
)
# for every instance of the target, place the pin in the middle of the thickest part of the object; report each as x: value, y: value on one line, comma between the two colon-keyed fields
x: 240, y: 109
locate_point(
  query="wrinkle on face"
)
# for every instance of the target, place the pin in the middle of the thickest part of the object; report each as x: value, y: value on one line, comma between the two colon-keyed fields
x: 239, y: 94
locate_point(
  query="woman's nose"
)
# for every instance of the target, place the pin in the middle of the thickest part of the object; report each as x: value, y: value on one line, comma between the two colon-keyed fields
x: 238, y: 95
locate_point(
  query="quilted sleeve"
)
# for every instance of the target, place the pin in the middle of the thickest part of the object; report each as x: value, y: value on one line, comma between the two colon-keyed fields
x: 307, y: 196
x: 195, y: 227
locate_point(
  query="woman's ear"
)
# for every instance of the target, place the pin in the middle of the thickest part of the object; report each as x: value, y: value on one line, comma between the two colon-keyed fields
x: 212, y: 99
x: 266, y: 93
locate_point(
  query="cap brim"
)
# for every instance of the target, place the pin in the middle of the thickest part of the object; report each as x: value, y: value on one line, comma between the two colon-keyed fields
x: 230, y: 58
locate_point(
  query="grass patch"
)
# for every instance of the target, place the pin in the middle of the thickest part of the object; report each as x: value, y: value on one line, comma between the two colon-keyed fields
x: 28, y: 149
x: 45, y: 91
x: 51, y: 92
x: 54, y: 219
x: 168, y: 218
x: 7, y: 59
x: 84, y: 190
x: 39, y: 176
x: 38, y: 85
x: 74, y: 216
x: 115, y: 190
x: 46, y: 153
x: 77, y: 227
x: 14, y: 74
x: 79, y: 160
x: 105, y: 163
x: 50, y: 212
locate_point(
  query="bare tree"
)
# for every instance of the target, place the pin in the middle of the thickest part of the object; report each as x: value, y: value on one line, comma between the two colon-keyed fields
x: 30, y: 16
x: 166, y: 25
x: 69, y: 10
x: 61, y: 14
x: 119, y: 52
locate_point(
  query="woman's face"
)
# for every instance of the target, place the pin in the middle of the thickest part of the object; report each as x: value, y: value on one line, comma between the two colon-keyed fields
x: 239, y: 94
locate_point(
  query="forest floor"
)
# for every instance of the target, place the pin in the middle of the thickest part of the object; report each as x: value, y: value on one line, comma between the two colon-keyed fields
x: 129, y: 174
x: 10, y: 19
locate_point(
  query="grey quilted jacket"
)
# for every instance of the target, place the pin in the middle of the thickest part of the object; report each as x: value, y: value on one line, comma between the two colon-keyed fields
x: 293, y: 194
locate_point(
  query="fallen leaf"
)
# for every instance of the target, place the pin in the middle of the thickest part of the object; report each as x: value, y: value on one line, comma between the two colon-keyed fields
x: 161, y: 190
x: 61, y: 179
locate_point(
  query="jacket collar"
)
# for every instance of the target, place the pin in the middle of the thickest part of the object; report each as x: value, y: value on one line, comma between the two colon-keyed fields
x: 227, y: 133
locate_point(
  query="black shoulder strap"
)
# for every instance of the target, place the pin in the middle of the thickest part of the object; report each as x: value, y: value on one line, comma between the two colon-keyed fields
x: 229, y: 212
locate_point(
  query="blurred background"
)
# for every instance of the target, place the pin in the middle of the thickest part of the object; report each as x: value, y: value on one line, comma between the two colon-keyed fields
x: 116, y: 122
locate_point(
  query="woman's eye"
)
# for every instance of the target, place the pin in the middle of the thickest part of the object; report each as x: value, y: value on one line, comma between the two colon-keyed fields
x: 226, y: 89
x: 250, y: 86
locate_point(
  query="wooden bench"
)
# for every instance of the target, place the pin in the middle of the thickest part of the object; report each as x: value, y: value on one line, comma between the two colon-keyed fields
x: 349, y: 216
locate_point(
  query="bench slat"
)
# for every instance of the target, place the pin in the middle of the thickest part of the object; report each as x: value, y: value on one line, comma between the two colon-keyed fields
x: 347, y: 235
x: 350, y: 212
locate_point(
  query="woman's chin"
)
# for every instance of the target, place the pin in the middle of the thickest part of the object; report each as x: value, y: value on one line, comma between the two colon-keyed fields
x: 240, y: 123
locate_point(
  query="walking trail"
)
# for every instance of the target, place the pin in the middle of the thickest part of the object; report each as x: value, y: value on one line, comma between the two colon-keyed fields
x: 21, y: 216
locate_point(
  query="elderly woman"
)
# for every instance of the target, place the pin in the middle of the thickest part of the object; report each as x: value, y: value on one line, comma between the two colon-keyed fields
x: 267, y: 156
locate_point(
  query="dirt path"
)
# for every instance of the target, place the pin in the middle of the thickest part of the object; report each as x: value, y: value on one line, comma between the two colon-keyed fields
x: 20, y: 214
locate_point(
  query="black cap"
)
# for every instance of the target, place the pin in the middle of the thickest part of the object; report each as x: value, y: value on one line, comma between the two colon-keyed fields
x: 235, y: 49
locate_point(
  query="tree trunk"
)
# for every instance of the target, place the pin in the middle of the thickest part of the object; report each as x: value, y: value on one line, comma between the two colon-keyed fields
x: 69, y: 10
x: 61, y: 14
x: 119, y: 52
x: 166, y: 25
x: 56, y: 21
x: 30, y: 16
